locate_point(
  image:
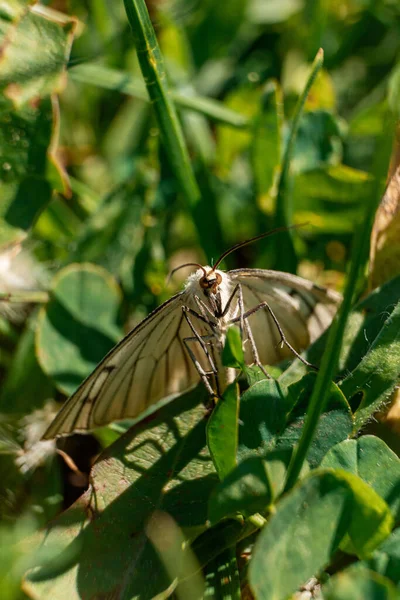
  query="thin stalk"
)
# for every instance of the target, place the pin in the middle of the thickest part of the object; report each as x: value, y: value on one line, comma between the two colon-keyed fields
x: 284, y: 208
x: 153, y: 70
x: 113, y: 79
x: 28, y: 297
x: 330, y: 357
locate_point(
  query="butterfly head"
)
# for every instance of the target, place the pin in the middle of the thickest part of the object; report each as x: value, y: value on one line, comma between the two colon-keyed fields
x: 210, y: 281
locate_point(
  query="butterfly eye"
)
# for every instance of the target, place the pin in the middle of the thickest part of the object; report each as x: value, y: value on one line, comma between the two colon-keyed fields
x: 205, y: 283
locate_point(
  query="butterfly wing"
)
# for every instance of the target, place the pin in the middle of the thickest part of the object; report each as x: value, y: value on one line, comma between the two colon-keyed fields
x: 149, y: 364
x: 303, y: 309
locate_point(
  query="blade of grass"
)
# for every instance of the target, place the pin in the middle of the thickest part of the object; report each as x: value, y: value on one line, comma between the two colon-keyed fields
x: 121, y: 81
x: 284, y: 209
x: 152, y: 66
x: 331, y: 354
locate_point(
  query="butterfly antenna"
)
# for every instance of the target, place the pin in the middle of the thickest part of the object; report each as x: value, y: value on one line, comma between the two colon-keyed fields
x: 185, y: 265
x: 254, y: 239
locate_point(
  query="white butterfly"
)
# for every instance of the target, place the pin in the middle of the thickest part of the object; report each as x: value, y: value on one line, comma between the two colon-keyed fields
x: 180, y: 342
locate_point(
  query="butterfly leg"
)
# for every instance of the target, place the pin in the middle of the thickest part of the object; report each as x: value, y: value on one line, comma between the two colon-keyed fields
x: 263, y: 305
x: 202, y: 341
x: 245, y: 325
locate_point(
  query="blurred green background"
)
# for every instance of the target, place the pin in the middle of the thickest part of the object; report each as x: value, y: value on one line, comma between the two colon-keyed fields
x: 85, y: 178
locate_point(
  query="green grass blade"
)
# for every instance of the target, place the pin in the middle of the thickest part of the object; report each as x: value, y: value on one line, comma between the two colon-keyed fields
x: 284, y: 209
x: 335, y: 338
x: 152, y: 65
x: 113, y: 79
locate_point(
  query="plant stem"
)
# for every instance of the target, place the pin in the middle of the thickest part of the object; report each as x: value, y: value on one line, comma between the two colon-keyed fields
x: 152, y: 65
x: 34, y: 297
x: 284, y: 209
x: 331, y: 354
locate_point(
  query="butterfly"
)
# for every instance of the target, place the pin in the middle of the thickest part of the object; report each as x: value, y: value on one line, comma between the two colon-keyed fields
x: 180, y: 343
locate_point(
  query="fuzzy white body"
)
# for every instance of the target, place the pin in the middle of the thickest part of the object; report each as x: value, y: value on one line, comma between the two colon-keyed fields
x: 222, y: 296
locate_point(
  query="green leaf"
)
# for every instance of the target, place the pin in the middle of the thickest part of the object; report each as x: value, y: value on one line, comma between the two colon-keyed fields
x: 123, y: 82
x: 266, y: 146
x: 25, y: 136
x: 373, y: 461
x: 247, y: 490
x: 231, y: 142
x: 15, y: 556
x: 159, y: 464
x: 26, y: 72
x: 232, y: 353
x: 262, y: 417
x: 222, y: 431
x: 114, y: 234
x: 79, y: 325
x: 371, y: 519
x: 378, y: 373
x: 216, y: 28
x: 386, y: 558
x: 151, y: 62
x: 301, y: 537
x: 252, y: 486
x: 309, y: 524
x: 335, y: 423
x: 330, y: 198
x: 357, y: 583
x: 26, y: 387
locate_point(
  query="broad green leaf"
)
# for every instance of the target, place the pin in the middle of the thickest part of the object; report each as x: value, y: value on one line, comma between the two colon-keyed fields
x: 301, y: 537
x: 246, y: 490
x: 252, y: 486
x: 215, y: 29
x: 114, y: 233
x: 330, y: 198
x: 26, y: 387
x: 79, y: 325
x: 26, y: 72
x: 378, y: 373
x: 160, y: 464
x: 262, y: 418
x: 335, y: 424
x: 371, y: 519
x: 231, y: 142
x: 222, y: 431
x: 25, y: 139
x: 232, y: 353
x: 386, y: 558
x: 368, y: 121
x: 266, y: 146
x: 15, y: 555
x: 309, y: 524
x: 357, y: 583
x: 373, y: 461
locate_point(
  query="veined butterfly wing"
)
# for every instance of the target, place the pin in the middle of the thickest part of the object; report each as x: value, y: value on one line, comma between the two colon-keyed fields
x: 304, y: 310
x: 149, y: 364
